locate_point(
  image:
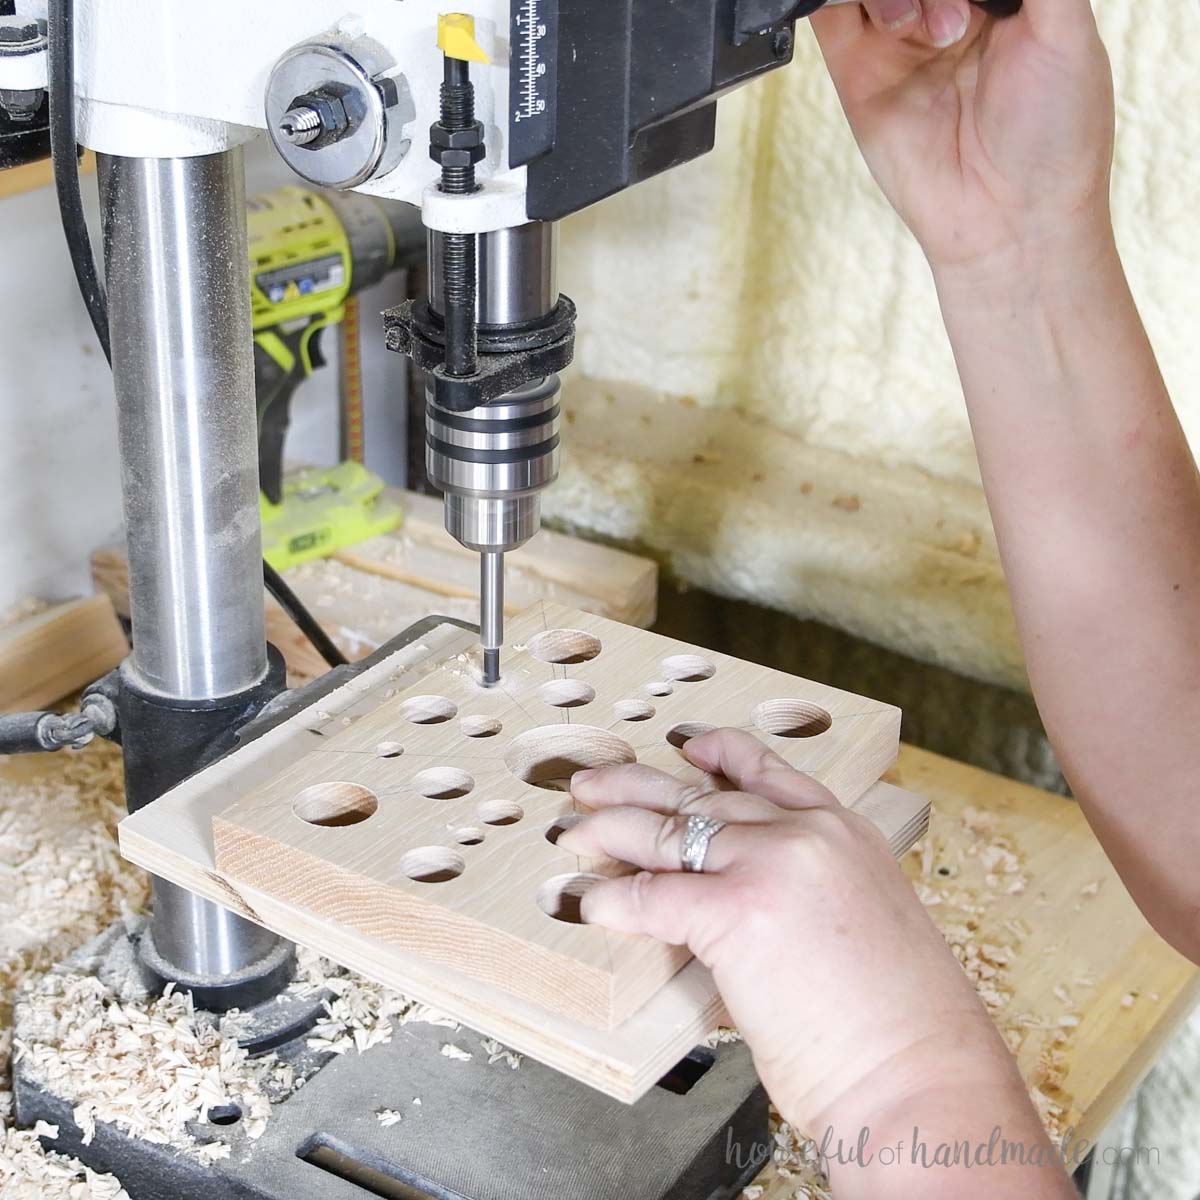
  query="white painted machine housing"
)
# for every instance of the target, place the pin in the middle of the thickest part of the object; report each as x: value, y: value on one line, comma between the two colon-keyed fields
x: 176, y: 78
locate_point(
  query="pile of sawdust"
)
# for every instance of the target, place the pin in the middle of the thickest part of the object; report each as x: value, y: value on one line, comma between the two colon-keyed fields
x: 63, y: 882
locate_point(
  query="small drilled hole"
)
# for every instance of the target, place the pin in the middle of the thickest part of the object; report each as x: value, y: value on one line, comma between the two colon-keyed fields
x: 561, y: 826
x: 548, y: 757
x: 564, y: 646
x: 224, y: 1114
x: 428, y: 710
x: 333, y: 805
x: 480, y: 727
x: 567, y: 693
x: 433, y: 864
x: 682, y: 734
x: 443, y: 783
x: 500, y: 812
x: 562, y: 896
x: 791, y: 718
x: 633, y: 710
x: 389, y: 750
x: 660, y: 687
x: 469, y: 836
x: 688, y: 668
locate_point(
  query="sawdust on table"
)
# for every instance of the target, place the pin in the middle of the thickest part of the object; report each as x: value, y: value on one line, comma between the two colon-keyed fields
x: 153, y: 1065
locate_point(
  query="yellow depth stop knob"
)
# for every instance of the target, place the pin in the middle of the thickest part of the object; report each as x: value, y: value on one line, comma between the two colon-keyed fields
x: 456, y: 38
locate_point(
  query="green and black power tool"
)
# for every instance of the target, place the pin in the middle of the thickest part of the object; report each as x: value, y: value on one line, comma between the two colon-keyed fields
x: 310, y: 253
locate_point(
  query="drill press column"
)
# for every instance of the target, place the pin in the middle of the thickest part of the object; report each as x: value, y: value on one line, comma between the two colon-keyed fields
x: 179, y: 314
x: 492, y: 462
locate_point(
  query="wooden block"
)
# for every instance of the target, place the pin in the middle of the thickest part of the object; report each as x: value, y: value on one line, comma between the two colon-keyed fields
x: 428, y: 822
x: 54, y: 653
x: 173, y: 838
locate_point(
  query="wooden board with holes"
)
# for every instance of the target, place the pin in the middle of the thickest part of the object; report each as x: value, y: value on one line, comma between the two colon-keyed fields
x: 173, y: 838
x: 369, y: 592
x: 58, y: 651
x: 428, y: 822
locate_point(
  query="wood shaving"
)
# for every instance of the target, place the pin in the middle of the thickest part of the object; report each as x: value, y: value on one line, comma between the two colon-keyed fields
x: 63, y: 882
x: 497, y: 1053
x: 450, y: 1050
x: 387, y: 1117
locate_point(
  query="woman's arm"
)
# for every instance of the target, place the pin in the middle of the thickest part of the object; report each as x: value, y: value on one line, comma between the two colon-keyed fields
x: 862, y: 1025
x: 997, y: 154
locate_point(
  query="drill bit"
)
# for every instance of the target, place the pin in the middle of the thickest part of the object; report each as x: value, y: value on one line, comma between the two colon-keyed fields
x: 491, y: 613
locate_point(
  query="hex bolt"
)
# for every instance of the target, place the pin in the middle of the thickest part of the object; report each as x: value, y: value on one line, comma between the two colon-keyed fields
x: 300, y: 125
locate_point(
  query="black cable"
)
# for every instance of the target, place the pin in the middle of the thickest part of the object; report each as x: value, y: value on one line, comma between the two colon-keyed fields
x: 64, y: 153
x: 305, y: 621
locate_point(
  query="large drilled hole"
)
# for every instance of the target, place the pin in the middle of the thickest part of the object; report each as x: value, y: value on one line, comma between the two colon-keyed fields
x: 564, y: 646
x: 443, y: 783
x: 633, y: 710
x: 680, y: 735
x: 568, y: 821
x: 688, y: 668
x: 791, y: 718
x: 224, y: 1114
x: 548, y: 757
x: 480, y: 727
x: 333, y: 805
x: 428, y: 710
x: 567, y: 693
x: 562, y: 896
x: 500, y: 812
x: 433, y: 864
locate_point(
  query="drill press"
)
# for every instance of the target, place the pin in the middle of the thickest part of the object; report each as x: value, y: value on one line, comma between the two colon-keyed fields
x: 531, y: 110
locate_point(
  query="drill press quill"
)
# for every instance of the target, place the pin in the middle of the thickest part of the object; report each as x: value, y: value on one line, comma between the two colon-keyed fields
x: 493, y: 336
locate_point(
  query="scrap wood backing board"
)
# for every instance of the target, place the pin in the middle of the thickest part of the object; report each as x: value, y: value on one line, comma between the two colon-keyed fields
x: 55, y: 652
x: 429, y: 823
x: 173, y: 838
x: 367, y: 593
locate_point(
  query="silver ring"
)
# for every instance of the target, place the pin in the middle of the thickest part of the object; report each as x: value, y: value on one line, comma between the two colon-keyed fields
x: 697, y: 835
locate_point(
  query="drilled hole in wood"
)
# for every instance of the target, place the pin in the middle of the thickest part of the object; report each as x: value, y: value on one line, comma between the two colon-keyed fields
x: 562, y: 896
x: 688, y: 668
x: 443, y: 783
x: 433, y: 864
x: 500, y: 812
x: 633, y: 710
x: 389, y: 750
x: 566, y: 693
x: 564, y: 646
x: 333, y: 805
x: 682, y: 734
x: 561, y: 826
x: 480, y: 727
x: 469, y: 836
x: 791, y: 718
x: 660, y: 687
x: 549, y: 756
x: 428, y: 710
x: 224, y: 1114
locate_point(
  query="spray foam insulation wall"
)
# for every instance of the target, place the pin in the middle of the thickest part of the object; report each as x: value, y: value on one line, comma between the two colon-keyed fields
x: 764, y: 393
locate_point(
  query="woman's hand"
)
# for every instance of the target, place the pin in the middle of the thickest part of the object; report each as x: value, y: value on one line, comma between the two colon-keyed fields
x: 842, y: 986
x: 1001, y: 143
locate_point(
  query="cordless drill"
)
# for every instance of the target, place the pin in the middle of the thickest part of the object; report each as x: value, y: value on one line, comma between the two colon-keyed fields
x: 310, y: 252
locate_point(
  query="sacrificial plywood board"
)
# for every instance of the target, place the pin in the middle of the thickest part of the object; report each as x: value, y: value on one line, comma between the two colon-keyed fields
x: 429, y: 822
